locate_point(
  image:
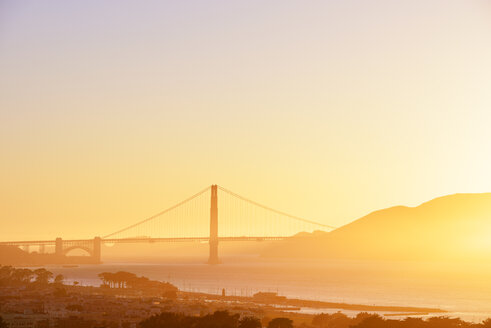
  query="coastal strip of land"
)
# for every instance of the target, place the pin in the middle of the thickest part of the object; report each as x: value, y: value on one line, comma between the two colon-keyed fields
x: 300, y: 303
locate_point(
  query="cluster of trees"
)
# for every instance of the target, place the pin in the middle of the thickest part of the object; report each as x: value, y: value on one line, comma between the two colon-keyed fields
x: 10, y: 276
x: 219, y: 319
x: 123, y: 279
x: 223, y: 319
x: 367, y: 320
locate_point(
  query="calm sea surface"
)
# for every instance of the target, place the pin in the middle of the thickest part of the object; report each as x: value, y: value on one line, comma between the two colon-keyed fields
x: 463, y: 289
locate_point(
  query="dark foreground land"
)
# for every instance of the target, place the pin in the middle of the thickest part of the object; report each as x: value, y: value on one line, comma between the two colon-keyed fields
x: 37, y: 299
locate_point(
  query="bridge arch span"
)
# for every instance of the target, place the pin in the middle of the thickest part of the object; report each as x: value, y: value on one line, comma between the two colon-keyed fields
x: 71, y: 248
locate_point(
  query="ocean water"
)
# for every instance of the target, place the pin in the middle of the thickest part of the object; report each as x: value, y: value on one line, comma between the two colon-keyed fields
x: 462, y: 289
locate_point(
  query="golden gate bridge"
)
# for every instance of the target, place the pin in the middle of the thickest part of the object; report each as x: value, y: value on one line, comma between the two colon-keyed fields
x: 195, y: 219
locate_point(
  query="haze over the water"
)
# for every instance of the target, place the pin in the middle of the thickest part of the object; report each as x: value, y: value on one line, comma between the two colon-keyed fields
x: 112, y: 111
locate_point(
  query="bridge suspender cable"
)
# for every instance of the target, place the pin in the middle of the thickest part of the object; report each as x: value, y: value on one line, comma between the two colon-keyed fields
x: 230, y: 193
x: 158, y: 214
x: 273, y: 210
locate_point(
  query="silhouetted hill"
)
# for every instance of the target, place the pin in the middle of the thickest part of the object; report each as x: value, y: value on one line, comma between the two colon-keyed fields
x: 12, y: 255
x: 446, y: 228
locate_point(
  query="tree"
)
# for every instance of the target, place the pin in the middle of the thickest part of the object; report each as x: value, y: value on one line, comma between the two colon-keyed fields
x: 59, y: 279
x: 219, y: 319
x: 3, y: 324
x: 6, y: 272
x: 169, y: 320
x: 124, y: 278
x: 250, y: 322
x: 335, y: 320
x: 415, y: 323
x: 446, y: 322
x: 139, y: 282
x: 110, y: 279
x: 373, y: 321
x: 339, y: 320
x: 23, y: 276
x: 43, y: 276
x: 321, y: 320
x: 280, y: 323
x: 104, y: 276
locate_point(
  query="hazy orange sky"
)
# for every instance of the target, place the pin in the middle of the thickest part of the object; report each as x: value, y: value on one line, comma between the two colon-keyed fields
x: 113, y: 110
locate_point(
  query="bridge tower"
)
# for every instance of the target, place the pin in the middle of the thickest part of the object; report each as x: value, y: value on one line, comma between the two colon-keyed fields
x: 59, y: 247
x: 213, y: 241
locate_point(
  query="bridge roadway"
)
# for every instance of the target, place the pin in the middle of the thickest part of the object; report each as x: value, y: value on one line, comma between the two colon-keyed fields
x: 137, y: 240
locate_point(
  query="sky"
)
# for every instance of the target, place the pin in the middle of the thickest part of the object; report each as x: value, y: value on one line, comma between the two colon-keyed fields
x: 111, y: 111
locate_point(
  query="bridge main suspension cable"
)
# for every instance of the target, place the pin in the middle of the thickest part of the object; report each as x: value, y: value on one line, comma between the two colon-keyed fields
x: 158, y: 214
x: 267, y: 208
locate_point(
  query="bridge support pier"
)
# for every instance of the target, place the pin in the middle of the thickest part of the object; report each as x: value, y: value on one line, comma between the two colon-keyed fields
x: 97, y: 250
x: 59, y: 247
x: 213, y: 258
x: 213, y: 241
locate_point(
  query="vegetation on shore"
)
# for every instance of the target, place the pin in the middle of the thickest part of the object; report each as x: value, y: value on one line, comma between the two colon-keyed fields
x: 128, y: 280
x: 224, y: 319
x: 10, y: 276
x: 218, y: 319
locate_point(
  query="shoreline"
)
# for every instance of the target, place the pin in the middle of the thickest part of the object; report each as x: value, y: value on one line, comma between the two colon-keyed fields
x: 300, y: 303
x: 289, y: 304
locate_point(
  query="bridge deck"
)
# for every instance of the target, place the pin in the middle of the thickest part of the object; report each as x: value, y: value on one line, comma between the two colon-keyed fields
x: 139, y: 240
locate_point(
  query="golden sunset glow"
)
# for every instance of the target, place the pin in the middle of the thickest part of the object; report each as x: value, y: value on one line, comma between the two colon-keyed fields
x: 245, y: 164
x: 322, y: 110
